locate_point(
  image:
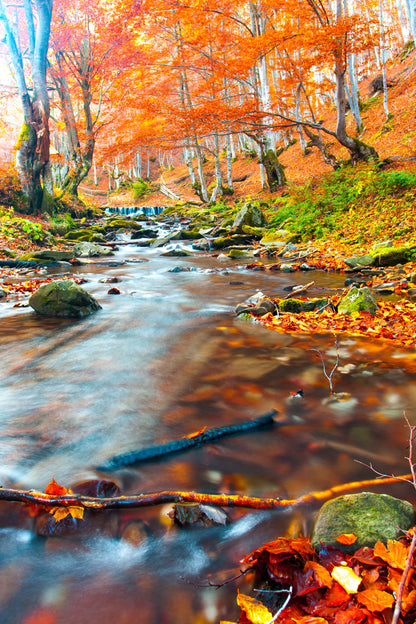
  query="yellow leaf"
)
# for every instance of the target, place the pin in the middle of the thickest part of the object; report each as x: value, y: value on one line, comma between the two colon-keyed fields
x: 59, y: 513
x: 254, y: 610
x: 347, y: 578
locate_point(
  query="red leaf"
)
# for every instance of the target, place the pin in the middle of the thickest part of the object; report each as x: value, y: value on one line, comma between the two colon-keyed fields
x: 53, y: 489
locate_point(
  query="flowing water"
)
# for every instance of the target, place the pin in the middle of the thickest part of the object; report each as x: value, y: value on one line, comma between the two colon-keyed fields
x: 163, y: 359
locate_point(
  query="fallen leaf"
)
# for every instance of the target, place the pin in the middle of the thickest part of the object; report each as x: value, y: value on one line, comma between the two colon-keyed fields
x: 254, y: 610
x: 375, y: 600
x: 195, y: 434
x: 59, y: 513
x: 347, y: 578
x: 346, y: 538
x: 53, y: 489
x: 395, y: 554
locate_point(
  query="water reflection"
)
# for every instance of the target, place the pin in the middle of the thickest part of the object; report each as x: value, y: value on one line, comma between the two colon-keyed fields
x: 160, y: 361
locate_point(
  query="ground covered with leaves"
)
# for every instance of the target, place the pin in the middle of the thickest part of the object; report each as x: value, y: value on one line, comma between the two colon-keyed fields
x: 297, y: 585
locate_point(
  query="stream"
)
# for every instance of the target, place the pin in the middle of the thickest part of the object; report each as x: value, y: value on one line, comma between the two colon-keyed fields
x: 166, y: 358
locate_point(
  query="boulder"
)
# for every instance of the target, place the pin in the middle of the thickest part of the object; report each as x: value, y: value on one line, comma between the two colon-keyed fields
x: 91, y: 250
x: 250, y: 215
x: 240, y: 253
x: 294, y: 306
x: 63, y: 298
x: 358, y: 300
x: 357, y: 262
x: 48, y: 254
x: 390, y: 256
x: 371, y: 517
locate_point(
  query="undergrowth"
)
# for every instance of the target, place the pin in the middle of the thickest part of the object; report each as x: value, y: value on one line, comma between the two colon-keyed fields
x: 357, y: 203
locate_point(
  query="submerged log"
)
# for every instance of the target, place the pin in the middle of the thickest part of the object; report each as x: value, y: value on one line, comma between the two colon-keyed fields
x: 156, y: 453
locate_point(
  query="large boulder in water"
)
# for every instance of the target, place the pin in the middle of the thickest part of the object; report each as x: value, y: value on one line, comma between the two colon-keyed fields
x: 250, y: 215
x: 370, y: 517
x: 63, y: 298
x: 91, y: 250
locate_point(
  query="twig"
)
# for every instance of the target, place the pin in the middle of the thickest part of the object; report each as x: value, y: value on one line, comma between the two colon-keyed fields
x: 412, y: 547
x: 160, y: 498
x: 298, y: 290
x: 283, y: 607
x: 329, y: 376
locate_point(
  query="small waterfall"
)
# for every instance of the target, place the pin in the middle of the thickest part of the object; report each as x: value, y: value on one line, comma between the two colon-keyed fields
x: 148, y: 211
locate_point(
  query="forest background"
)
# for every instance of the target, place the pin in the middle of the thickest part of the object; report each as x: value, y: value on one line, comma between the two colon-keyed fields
x: 239, y: 97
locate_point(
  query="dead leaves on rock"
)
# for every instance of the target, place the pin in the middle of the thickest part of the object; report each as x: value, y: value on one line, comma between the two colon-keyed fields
x: 58, y: 513
x: 330, y: 587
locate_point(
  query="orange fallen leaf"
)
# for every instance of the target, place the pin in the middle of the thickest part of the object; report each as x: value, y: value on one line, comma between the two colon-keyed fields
x: 346, y: 538
x: 53, y: 489
x: 375, y: 600
x: 254, y: 610
x: 195, y: 434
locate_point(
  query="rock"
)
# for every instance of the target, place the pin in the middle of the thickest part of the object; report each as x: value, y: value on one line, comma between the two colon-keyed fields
x: 84, y: 235
x: 306, y: 267
x: 178, y: 252
x: 144, y: 233
x: 114, y: 291
x: 109, y: 280
x: 190, y: 234
x: 3, y: 293
x: 287, y: 268
x: 358, y: 300
x: 99, y: 488
x: 198, y: 514
x: 357, y: 262
x: 91, y: 250
x: 229, y: 241
x: 255, y: 232
x: 263, y: 306
x: 164, y: 240
x: 251, y: 215
x: 276, y: 236
x: 122, y: 224
x: 294, y: 306
x: 48, y: 254
x: 63, y: 298
x: 387, y: 243
x: 390, y: 256
x: 240, y: 253
x: 371, y: 517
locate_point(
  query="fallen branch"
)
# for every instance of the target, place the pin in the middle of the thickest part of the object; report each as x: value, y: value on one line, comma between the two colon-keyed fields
x: 161, y: 498
x: 155, y: 453
x: 298, y: 289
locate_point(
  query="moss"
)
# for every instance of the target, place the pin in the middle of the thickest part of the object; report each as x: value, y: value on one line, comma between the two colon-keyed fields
x: 390, y: 256
x: 239, y: 253
x: 190, y: 234
x: 228, y: 241
x: 125, y: 224
x: 25, y: 134
x: 253, y: 231
x: 295, y: 306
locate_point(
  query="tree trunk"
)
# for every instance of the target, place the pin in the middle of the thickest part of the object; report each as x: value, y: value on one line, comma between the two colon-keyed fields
x: 32, y: 149
x: 274, y: 170
x: 317, y: 141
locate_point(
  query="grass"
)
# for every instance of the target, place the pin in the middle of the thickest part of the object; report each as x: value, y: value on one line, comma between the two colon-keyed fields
x: 361, y: 202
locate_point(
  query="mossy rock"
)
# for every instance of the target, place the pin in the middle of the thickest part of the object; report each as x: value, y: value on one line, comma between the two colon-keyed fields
x: 84, y: 235
x: 371, y: 517
x: 275, y: 236
x: 240, y: 253
x: 63, y: 298
x: 229, y: 241
x: 29, y: 257
x: 251, y: 215
x: 255, y: 232
x: 358, y: 300
x: 122, y: 224
x: 295, y: 306
x: 390, y: 256
x: 357, y: 262
x: 50, y: 255
x: 190, y: 234
x: 7, y: 253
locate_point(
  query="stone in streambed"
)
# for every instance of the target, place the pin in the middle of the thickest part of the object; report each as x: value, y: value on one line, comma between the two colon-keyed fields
x: 358, y: 300
x: 64, y: 299
x: 91, y: 250
x: 371, y: 517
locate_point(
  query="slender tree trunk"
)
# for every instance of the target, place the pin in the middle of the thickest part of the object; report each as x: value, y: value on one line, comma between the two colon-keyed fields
x: 218, y: 176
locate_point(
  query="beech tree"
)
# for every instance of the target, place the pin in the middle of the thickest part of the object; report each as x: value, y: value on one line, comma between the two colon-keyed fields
x: 28, y: 49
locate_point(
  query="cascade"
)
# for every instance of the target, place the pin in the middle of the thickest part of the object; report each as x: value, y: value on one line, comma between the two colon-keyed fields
x: 134, y: 210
